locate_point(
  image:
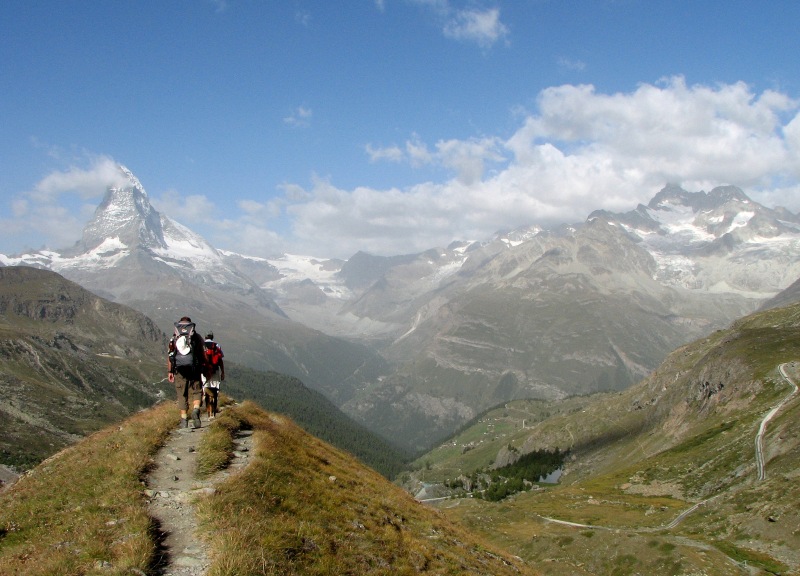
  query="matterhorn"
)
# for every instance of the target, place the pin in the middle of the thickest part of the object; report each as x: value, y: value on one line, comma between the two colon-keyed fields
x: 132, y: 254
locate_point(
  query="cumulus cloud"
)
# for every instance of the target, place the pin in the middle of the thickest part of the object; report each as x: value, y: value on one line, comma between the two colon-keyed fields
x: 84, y: 182
x: 190, y: 208
x: 578, y: 151
x: 53, y: 212
x: 248, y: 232
x: 467, y: 158
x: 392, y: 153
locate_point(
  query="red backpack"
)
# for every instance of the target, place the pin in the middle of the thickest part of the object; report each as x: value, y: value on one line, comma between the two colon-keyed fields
x: 214, y: 355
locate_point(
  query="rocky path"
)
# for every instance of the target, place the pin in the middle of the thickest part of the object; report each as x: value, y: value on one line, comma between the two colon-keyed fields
x: 172, y: 488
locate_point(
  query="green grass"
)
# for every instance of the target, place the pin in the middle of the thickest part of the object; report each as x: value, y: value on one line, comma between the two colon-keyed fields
x: 645, y: 455
x: 750, y: 557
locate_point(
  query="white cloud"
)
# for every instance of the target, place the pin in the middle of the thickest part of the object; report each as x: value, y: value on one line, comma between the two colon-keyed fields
x: 483, y: 27
x: 467, y: 158
x: 259, y: 210
x: 571, y: 64
x: 54, y: 211
x: 664, y: 133
x: 85, y: 183
x: 301, y: 117
x: 391, y: 154
x: 579, y: 150
x: 418, y: 152
x: 186, y: 209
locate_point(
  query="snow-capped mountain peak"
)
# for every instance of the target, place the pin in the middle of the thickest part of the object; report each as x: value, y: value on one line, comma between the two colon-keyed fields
x: 126, y: 214
x: 126, y: 224
x: 716, y: 241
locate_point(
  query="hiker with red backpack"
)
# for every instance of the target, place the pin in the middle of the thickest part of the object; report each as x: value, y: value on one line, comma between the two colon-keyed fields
x: 186, y: 362
x: 214, y: 375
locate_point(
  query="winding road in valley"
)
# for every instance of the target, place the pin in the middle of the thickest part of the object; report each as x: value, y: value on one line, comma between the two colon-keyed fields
x: 760, y: 461
x: 762, y: 466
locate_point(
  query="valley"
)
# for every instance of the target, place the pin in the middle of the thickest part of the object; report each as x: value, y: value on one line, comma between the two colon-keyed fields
x: 662, y: 478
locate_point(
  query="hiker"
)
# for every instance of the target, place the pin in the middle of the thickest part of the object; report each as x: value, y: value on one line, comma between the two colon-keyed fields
x: 214, y: 375
x: 186, y: 365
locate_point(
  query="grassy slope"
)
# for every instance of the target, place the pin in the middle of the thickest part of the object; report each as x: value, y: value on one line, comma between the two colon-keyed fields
x: 301, y: 507
x: 316, y: 414
x: 683, y: 436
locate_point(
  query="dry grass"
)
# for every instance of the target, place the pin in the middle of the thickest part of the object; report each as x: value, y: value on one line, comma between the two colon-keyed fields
x: 82, y: 511
x: 302, y: 507
x: 216, y: 448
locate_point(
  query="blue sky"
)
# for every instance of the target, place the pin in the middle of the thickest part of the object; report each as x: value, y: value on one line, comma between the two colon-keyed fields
x: 389, y: 126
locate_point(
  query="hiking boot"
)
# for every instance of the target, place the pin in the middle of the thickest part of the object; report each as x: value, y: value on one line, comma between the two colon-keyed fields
x: 184, y: 423
x: 196, y: 417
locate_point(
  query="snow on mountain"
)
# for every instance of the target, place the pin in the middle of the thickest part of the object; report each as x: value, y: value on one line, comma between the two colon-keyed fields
x: 126, y: 224
x: 720, y: 241
x: 516, y: 237
x: 294, y: 269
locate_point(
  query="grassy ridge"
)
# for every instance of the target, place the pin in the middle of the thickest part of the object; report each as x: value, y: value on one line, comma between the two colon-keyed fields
x: 84, y: 506
x: 300, y: 507
x: 317, y: 415
x: 311, y: 509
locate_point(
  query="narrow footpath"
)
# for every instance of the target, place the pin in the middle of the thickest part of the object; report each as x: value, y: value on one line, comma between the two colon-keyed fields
x: 173, y: 486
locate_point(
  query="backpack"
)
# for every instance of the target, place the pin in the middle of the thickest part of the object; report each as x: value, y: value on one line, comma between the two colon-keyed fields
x: 213, y: 355
x: 181, y: 348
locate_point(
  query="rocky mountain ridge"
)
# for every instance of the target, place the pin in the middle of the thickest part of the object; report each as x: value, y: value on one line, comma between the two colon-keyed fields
x: 414, y: 345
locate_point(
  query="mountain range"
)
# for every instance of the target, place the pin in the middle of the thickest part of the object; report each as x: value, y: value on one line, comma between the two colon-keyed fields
x: 415, y: 345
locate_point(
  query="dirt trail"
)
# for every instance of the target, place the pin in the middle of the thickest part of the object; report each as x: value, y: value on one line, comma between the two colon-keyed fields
x: 172, y: 488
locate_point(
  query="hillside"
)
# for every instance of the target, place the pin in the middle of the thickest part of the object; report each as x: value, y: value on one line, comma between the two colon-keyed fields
x: 299, y: 507
x: 317, y: 415
x: 74, y: 362
x: 70, y: 363
x: 669, y: 476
